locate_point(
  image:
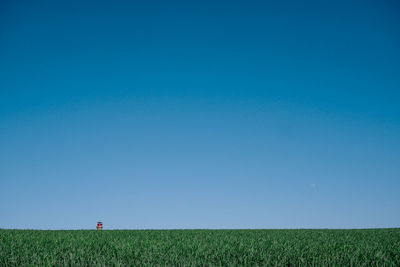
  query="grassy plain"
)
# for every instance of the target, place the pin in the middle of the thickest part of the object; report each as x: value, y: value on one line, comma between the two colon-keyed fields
x: 369, y: 247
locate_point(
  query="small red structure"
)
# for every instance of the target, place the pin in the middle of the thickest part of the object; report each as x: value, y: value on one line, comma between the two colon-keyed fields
x: 99, y: 226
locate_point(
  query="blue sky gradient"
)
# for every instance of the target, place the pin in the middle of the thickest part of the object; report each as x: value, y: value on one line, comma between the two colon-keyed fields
x: 199, y: 114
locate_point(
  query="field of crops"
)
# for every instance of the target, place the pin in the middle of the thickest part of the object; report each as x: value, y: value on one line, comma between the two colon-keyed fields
x: 370, y: 247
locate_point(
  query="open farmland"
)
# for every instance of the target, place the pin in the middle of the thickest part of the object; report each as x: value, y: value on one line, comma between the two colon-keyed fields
x: 369, y: 247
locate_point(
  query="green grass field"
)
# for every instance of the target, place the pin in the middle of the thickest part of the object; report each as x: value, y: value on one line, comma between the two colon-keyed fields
x: 370, y: 247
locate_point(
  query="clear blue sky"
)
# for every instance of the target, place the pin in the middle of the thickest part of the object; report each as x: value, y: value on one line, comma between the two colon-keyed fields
x: 199, y: 114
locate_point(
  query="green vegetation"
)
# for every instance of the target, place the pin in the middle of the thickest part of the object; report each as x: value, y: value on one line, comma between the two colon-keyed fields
x: 369, y: 247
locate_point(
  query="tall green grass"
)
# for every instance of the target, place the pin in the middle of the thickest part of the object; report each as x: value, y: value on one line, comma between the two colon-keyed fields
x: 370, y: 247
